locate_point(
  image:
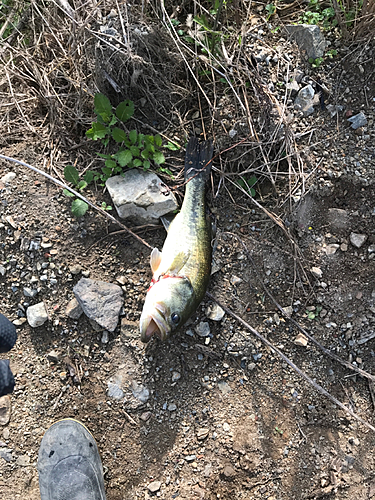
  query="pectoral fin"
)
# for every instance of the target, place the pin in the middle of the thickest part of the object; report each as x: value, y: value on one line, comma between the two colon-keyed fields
x: 155, y: 259
x: 178, y: 262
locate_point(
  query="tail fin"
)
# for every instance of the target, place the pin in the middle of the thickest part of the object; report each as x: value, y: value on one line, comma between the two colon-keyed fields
x: 197, y: 159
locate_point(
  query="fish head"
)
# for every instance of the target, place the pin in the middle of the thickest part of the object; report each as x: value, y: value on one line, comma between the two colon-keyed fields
x: 168, y: 305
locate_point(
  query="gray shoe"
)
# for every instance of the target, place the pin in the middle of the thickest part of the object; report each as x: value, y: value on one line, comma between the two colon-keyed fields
x: 69, y: 464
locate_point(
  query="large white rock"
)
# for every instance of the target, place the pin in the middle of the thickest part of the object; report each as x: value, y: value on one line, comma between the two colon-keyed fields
x: 140, y: 196
x: 36, y: 315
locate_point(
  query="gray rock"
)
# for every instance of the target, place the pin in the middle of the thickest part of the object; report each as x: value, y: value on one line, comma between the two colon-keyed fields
x: 358, y: 120
x: 23, y: 460
x: 203, y: 329
x: 337, y: 218
x: 154, y: 486
x: 30, y: 292
x: 172, y: 407
x: 305, y: 100
x: 105, y: 338
x: 140, y: 392
x: 114, y: 391
x: 140, y: 196
x: 215, y: 312
x: 316, y: 272
x: 36, y: 315
x: 5, y: 409
x: 9, y: 177
x: 53, y: 357
x: 73, y: 309
x: 357, y: 240
x: 2, y: 270
x: 6, y: 454
x: 293, y: 87
x: 309, y: 38
x: 100, y: 301
x: 331, y: 249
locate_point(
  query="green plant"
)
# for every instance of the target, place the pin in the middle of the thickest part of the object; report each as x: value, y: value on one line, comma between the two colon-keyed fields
x: 311, y: 315
x: 134, y: 149
x: 315, y: 15
x: 71, y: 174
x: 271, y: 9
x: 331, y: 53
x: 315, y: 63
x: 247, y: 184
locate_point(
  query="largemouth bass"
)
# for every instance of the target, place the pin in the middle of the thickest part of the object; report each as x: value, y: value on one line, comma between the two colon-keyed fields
x: 181, y: 271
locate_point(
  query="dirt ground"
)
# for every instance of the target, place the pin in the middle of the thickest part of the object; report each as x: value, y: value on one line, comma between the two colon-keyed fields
x: 221, y: 417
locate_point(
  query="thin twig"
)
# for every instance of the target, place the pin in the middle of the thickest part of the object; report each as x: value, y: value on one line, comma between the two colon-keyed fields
x: 64, y: 186
x: 316, y: 386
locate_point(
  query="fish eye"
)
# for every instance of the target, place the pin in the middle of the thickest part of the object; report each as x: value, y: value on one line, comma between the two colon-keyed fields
x: 175, y: 318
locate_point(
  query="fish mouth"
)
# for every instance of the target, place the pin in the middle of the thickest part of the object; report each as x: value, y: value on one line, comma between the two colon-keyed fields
x: 154, y: 324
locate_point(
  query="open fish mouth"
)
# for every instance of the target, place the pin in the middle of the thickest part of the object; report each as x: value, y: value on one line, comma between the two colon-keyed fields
x: 154, y: 324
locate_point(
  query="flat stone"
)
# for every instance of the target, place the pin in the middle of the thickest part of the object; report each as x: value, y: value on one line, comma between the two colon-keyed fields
x: 301, y: 340
x: 53, y: 357
x: 288, y: 310
x: 357, y: 240
x: 154, y: 486
x: 10, y: 176
x: 203, y: 329
x: 358, y: 121
x: 305, y: 100
x: 337, y: 218
x: 5, y: 410
x: 229, y: 471
x: 140, y: 391
x: 140, y: 196
x: 73, y: 309
x: 316, y: 272
x: 202, y: 434
x: 309, y: 38
x: 23, y: 460
x: 37, y: 315
x: 100, y: 301
x: 114, y: 391
x: 215, y: 312
x: 331, y: 249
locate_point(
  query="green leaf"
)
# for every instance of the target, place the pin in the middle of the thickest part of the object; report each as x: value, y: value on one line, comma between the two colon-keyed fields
x: 119, y: 135
x: 172, y: 147
x: 145, y: 154
x: 89, y: 176
x: 71, y: 174
x: 137, y: 162
x: 123, y: 157
x: 133, y: 135
x: 103, y: 107
x: 110, y: 164
x: 158, y: 157
x: 158, y: 140
x: 135, y: 151
x: 252, y: 181
x: 79, y: 208
x: 98, y: 131
x: 82, y: 185
x: 146, y: 164
x: 68, y: 193
x: 107, y: 171
x: 125, y: 110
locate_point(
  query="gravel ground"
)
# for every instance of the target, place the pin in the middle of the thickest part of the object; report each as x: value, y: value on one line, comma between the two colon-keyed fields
x: 218, y: 415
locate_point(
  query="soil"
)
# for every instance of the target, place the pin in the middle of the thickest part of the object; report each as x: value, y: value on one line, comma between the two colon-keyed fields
x: 224, y: 417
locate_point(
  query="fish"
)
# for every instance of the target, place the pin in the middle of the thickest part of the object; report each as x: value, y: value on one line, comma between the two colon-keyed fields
x: 181, y: 271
